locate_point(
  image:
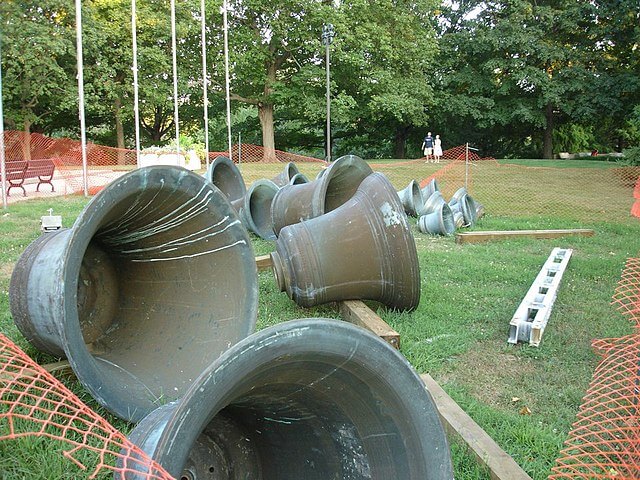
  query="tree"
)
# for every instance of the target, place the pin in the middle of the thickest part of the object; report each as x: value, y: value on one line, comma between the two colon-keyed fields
x: 38, y: 56
x: 385, y: 54
x: 519, y: 66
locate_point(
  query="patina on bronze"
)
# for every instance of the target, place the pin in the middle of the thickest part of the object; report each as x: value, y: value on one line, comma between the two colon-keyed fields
x: 226, y: 176
x: 311, y: 399
x: 288, y: 172
x: 295, y: 203
x: 363, y: 249
x: 154, y: 281
x: 255, y: 208
x: 411, y: 198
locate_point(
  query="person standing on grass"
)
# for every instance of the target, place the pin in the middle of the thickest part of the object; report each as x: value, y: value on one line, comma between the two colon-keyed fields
x: 437, y: 149
x: 427, y: 146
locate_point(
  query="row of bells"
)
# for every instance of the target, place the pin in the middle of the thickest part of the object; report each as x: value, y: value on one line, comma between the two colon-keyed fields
x: 435, y: 215
x: 152, y: 296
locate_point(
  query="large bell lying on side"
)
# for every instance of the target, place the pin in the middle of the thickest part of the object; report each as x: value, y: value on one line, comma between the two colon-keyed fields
x: 154, y: 281
x: 295, y: 203
x: 438, y: 222
x: 430, y: 188
x: 363, y: 249
x: 411, y: 198
x: 288, y: 172
x: 311, y: 399
x: 461, y: 201
x: 432, y: 203
x: 255, y: 209
x: 225, y: 175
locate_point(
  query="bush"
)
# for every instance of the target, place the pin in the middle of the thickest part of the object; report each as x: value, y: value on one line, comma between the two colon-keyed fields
x: 631, y: 156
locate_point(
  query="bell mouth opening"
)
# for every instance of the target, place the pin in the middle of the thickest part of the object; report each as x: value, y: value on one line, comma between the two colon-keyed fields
x: 146, y: 284
x: 339, y: 183
x: 259, y: 209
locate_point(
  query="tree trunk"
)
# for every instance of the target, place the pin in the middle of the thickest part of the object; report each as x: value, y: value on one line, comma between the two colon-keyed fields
x: 547, y: 149
x: 117, y: 109
x: 26, y: 140
x: 265, y: 113
x: 400, y: 142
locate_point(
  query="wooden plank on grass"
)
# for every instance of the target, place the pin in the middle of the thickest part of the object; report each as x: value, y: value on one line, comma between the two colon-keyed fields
x: 477, y: 237
x: 263, y: 262
x: 458, y: 424
x: 356, y: 312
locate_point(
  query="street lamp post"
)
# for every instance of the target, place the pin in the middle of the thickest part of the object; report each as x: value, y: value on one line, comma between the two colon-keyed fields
x: 327, y: 37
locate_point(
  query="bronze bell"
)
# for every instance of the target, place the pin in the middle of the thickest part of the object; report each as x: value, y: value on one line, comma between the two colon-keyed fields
x: 295, y: 203
x: 438, y: 222
x: 155, y: 279
x: 311, y: 399
x: 411, y: 198
x: 225, y: 175
x: 255, y: 210
x: 430, y: 188
x: 462, y: 202
x: 363, y: 249
x: 288, y: 172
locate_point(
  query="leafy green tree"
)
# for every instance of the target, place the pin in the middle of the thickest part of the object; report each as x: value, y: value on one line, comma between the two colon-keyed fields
x: 384, y: 59
x: 519, y: 68
x: 38, y: 63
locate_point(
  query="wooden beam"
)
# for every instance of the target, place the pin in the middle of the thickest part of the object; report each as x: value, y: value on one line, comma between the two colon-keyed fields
x: 477, y: 237
x: 458, y: 424
x: 263, y: 262
x: 356, y: 312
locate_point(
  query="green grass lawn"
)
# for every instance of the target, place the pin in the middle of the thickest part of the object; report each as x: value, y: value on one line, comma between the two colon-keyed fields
x: 459, y: 332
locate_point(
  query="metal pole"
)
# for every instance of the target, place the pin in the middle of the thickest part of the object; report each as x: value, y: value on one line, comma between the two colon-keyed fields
x: 239, y: 146
x: 226, y: 71
x: 80, y: 63
x: 328, y: 104
x: 466, y: 166
x: 205, y: 82
x: 2, y: 159
x: 175, y: 74
x: 136, y: 108
x: 327, y: 37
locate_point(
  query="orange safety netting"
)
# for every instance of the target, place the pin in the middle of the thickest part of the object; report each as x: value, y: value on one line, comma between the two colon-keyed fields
x: 35, y: 404
x: 604, y: 442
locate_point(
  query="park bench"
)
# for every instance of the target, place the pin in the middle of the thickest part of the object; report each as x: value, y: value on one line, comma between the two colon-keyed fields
x: 18, y: 171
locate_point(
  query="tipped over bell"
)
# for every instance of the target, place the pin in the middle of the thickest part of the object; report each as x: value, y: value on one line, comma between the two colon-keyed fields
x: 255, y: 210
x: 311, y: 399
x: 363, y: 249
x: 225, y: 175
x: 298, y: 178
x: 295, y: 203
x: 288, y: 172
x: 155, y: 279
x: 463, y: 202
x: 430, y: 188
x: 432, y: 203
x: 411, y: 198
x: 438, y: 222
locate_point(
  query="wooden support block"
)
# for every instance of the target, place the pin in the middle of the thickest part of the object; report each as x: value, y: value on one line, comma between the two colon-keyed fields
x: 477, y: 237
x: 263, y: 262
x: 458, y: 424
x: 356, y: 312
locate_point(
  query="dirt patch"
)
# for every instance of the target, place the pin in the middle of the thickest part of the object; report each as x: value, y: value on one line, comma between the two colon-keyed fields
x: 489, y: 375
